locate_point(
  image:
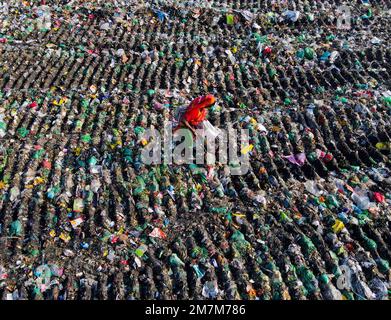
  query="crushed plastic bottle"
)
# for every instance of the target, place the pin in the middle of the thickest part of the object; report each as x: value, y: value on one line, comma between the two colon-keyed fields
x: 78, y: 205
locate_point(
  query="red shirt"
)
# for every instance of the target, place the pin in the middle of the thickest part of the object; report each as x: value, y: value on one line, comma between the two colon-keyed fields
x: 196, y: 111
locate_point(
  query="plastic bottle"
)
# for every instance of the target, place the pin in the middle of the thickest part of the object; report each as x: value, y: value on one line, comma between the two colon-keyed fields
x: 78, y: 205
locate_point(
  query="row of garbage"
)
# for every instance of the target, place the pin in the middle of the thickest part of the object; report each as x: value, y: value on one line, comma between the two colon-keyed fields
x: 81, y: 215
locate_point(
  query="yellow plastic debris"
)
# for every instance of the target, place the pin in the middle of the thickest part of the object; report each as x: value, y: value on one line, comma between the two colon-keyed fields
x: 65, y: 237
x: 59, y: 103
x: 240, y: 215
x: 38, y: 180
x: 247, y: 149
x: 384, y: 146
x: 338, y: 226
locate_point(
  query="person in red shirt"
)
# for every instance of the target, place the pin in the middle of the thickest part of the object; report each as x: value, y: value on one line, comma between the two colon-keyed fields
x: 196, y: 112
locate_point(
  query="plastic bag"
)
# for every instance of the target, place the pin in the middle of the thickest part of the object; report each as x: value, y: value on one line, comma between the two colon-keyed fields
x: 14, y: 193
x: 210, y: 290
x: 15, y: 229
x: 361, y: 201
x: 311, y: 187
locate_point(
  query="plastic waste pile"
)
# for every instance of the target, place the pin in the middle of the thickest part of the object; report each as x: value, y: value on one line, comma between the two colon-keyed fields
x: 83, y: 217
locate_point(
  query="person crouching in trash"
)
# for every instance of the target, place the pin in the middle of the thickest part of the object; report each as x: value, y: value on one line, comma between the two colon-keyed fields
x: 195, y: 113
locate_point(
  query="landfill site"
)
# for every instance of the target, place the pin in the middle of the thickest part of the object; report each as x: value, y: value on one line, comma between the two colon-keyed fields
x: 83, y: 217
